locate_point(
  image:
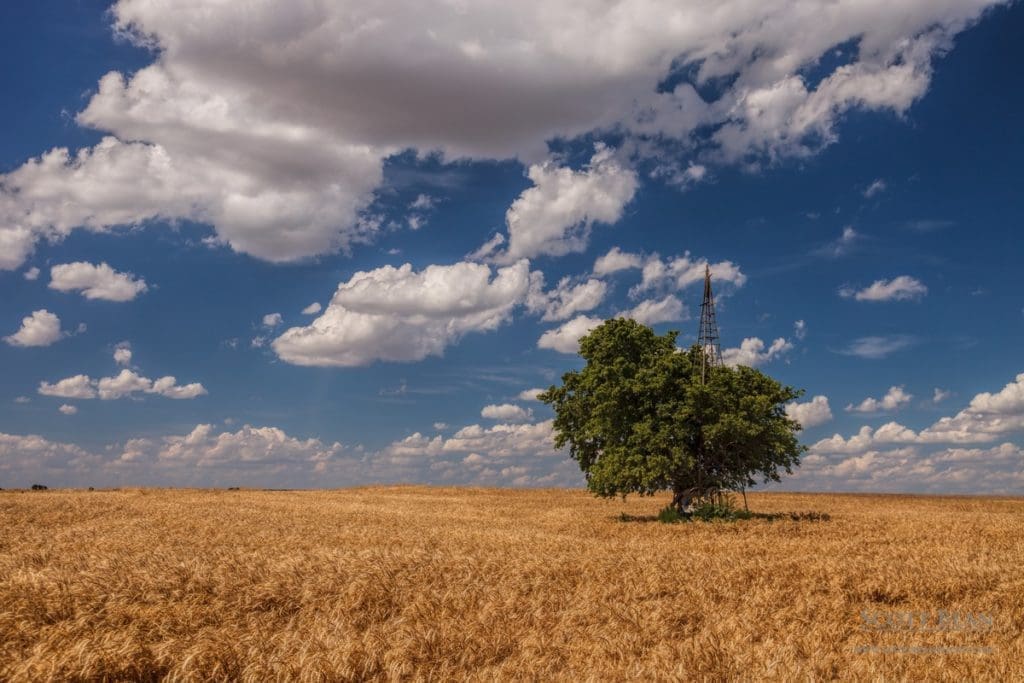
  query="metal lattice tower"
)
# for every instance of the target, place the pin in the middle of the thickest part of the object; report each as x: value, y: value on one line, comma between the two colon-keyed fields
x: 708, y: 337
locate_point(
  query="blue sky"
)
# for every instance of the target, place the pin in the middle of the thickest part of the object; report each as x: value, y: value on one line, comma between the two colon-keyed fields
x: 862, y: 178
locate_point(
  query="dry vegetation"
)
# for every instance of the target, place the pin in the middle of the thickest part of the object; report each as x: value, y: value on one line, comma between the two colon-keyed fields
x: 435, y: 584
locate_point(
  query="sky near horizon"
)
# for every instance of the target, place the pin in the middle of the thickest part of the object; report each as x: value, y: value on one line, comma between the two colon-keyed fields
x: 325, y: 244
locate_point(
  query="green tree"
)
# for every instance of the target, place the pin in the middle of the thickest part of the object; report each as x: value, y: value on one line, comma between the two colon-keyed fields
x: 638, y: 419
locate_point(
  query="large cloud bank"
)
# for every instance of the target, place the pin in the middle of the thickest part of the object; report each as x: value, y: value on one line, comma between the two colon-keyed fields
x: 274, y: 128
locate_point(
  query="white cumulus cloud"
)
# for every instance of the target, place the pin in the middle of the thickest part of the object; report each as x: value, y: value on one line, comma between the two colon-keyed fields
x: 901, y: 288
x: 752, y: 352
x: 810, y: 413
x: 125, y: 383
x: 26, y: 456
x: 896, y: 458
x: 203, y: 447
x: 566, y: 338
x: 894, y: 399
x: 988, y: 416
x: 616, y: 260
x: 504, y: 440
x: 398, y: 314
x: 507, y: 412
x: 530, y: 394
x: 123, y: 354
x: 96, y: 281
x: 555, y: 215
x: 42, y: 328
x: 78, y: 386
x: 654, y: 311
x: 682, y: 271
x: 566, y: 299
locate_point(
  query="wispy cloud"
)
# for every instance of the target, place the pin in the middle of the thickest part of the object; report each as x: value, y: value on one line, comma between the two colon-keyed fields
x: 928, y: 225
x: 901, y: 288
x: 841, y: 246
x: 877, y: 187
x: 875, y: 347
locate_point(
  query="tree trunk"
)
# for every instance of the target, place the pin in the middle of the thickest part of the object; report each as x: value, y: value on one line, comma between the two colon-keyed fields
x: 680, y: 499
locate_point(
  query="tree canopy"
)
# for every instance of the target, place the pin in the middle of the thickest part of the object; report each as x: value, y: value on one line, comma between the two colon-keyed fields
x: 639, y: 419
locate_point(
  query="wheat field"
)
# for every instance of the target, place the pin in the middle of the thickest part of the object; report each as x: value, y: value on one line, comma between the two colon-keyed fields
x: 419, y: 583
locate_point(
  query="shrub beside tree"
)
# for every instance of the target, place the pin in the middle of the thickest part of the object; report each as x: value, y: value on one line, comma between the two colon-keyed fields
x: 638, y: 418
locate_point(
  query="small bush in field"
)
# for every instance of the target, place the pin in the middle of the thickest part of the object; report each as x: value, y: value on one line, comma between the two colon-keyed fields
x: 670, y: 515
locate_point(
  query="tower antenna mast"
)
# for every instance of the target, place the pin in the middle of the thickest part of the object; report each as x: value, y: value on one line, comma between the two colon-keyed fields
x: 708, y: 337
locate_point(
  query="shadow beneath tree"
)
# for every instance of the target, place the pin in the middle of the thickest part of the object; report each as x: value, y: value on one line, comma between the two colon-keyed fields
x: 738, y: 516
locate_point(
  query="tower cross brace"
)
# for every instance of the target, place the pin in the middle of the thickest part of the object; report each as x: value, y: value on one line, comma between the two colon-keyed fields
x: 707, y: 339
